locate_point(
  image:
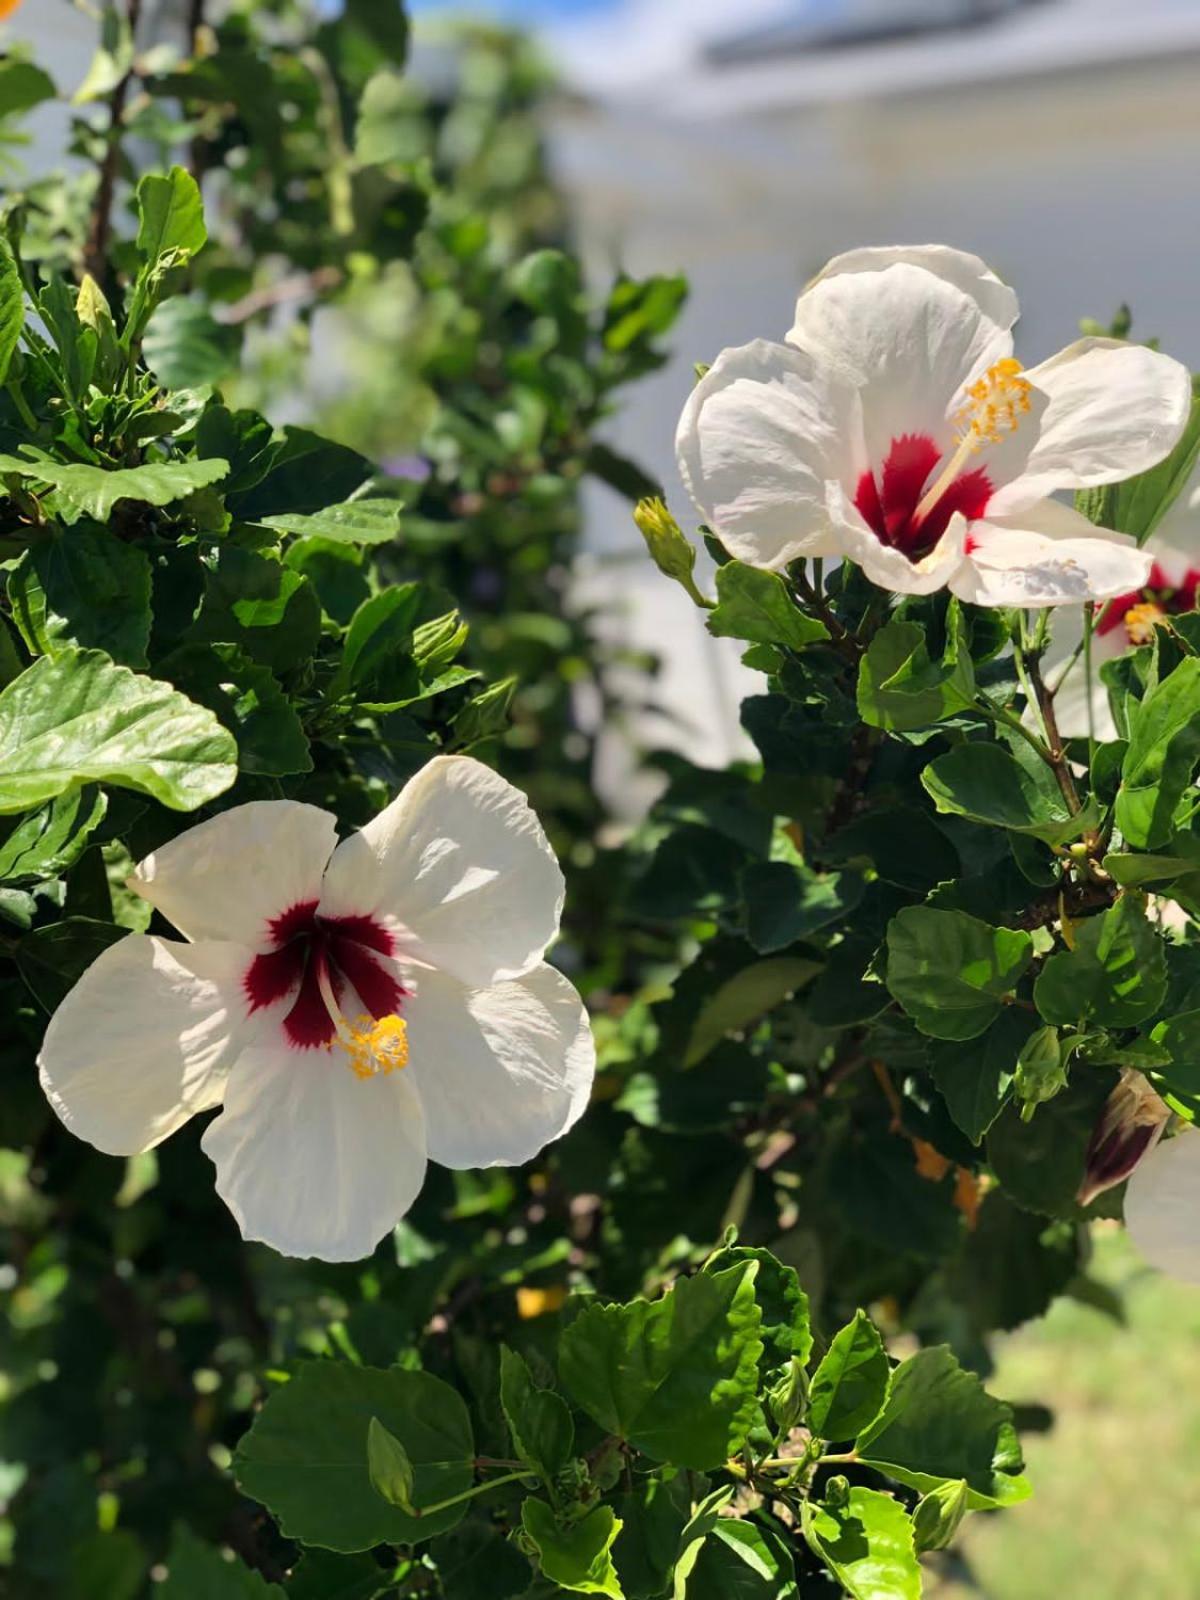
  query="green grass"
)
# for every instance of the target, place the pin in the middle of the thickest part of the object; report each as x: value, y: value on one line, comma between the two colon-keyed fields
x: 1116, y: 1481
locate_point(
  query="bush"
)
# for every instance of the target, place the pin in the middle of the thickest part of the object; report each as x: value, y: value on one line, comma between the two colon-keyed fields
x: 881, y: 1019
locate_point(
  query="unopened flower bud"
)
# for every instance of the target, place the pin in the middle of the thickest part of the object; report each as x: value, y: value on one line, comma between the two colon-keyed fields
x: 1128, y: 1128
x: 837, y: 1492
x: 789, y: 1398
x: 1041, y: 1072
x: 672, y: 551
x: 938, y: 1514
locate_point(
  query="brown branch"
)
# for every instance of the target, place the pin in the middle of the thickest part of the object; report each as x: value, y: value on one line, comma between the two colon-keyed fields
x: 301, y: 286
x: 1058, y: 760
x: 193, y: 24
x: 95, y: 255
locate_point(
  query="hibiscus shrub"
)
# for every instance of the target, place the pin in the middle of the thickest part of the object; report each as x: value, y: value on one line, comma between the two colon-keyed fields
x: 880, y: 1019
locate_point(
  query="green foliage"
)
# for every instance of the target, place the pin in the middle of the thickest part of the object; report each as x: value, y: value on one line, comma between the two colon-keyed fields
x: 677, y: 1378
x: 840, y: 991
x: 324, y: 1415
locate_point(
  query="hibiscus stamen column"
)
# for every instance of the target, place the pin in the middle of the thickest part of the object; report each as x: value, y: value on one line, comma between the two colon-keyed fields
x: 372, y: 1045
x: 994, y: 407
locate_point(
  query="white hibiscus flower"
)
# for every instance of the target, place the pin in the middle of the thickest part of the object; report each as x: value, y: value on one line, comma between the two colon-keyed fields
x: 895, y: 428
x: 352, y: 1008
x: 1172, y: 586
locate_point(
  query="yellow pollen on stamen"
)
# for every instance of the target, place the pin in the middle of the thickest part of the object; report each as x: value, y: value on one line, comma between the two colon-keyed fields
x: 375, y: 1047
x: 993, y: 409
x: 372, y: 1046
x: 995, y: 405
x: 1141, y: 621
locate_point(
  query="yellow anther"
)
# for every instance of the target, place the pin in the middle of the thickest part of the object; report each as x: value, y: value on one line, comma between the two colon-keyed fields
x: 995, y: 405
x: 1141, y: 621
x: 374, y: 1048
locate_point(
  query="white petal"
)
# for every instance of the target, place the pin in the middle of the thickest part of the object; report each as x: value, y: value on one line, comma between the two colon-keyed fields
x: 908, y: 339
x: 313, y: 1160
x: 144, y: 1040
x: 1115, y: 409
x: 891, y: 568
x: 1047, y: 555
x: 461, y: 863
x: 958, y: 267
x: 761, y: 433
x: 1162, y: 1207
x: 501, y: 1071
x: 228, y: 877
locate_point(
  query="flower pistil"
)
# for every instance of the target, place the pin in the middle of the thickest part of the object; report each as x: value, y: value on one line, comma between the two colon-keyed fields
x: 373, y: 1045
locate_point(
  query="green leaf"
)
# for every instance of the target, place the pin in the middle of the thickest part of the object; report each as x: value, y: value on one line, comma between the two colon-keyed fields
x: 851, y: 1383
x: 305, y: 473
x: 305, y: 1458
x: 198, y: 1571
x: 78, y: 719
x: 12, y: 300
x: 653, y: 1514
x: 51, y: 839
x: 1164, y: 746
x: 94, y: 491
x: 900, y: 688
x: 939, y: 1424
x: 988, y: 784
x: 54, y: 958
x: 975, y: 1077
x: 1116, y: 975
x: 186, y: 347
x: 743, y: 999
x: 755, y: 605
x: 1138, y: 505
x: 170, y: 219
x: 740, y: 1561
x: 539, y: 1420
x: 474, y: 1562
x: 786, y: 1328
x: 867, y: 1544
x: 786, y: 902
x: 691, y: 1541
x: 248, y: 700
x: 86, y: 588
x: 678, y: 1378
x: 390, y: 1470
x: 321, y: 1575
x: 486, y: 715
x: 23, y: 85
x: 577, y: 1557
x: 950, y: 971
x: 263, y: 607
x: 356, y: 522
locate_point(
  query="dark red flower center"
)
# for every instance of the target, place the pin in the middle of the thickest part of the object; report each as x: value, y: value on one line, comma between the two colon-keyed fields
x: 305, y: 948
x: 1161, y: 592
x: 889, y: 502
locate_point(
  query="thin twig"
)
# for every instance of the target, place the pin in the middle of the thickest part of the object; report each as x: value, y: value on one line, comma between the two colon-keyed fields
x: 95, y: 253
x: 300, y: 286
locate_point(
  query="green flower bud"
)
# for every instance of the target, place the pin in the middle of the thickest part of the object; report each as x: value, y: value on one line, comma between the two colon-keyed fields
x: 837, y: 1492
x: 936, y: 1519
x: 789, y: 1398
x: 671, y: 551
x: 1041, y: 1071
